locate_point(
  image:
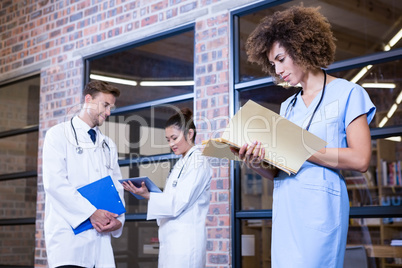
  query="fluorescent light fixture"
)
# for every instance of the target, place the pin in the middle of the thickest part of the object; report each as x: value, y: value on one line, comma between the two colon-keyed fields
x: 113, y: 80
x: 361, y: 73
x: 392, y: 110
x: 395, y: 39
x: 399, y: 98
x: 378, y: 85
x: 383, y: 122
x: 166, y: 83
x: 397, y: 139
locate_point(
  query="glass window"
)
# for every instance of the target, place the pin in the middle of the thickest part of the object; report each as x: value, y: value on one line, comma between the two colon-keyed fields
x: 19, y: 153
x: 17, y: 243
x: 156, y: 80
x: 373, y: 241
x: 359, y: 29
x: 19, y: 115
x: 141, y: 133
x: 256, y: 243
x: 19, y: 104
x: 18, y: 198
x: 256, y: 191
x: 138, y: 246
x: 383, y: 83
x: 362, y: 32
x: 155, y: 70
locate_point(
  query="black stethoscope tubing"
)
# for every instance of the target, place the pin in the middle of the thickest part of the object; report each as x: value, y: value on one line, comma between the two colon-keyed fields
x: 292, y: 103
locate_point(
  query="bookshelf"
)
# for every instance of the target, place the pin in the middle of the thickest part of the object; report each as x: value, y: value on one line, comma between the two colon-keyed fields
x: 368, y: 189
x: 381, y: 185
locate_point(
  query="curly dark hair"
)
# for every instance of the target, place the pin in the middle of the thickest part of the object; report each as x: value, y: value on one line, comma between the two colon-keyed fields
x: 303, y: 32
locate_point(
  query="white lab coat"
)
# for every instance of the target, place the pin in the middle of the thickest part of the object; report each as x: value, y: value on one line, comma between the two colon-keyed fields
x: 64, y: 170
x: 181, y: 213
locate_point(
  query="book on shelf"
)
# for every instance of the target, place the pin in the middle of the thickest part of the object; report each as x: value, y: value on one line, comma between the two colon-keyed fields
x: 287, y: 145
x: 391, y: 173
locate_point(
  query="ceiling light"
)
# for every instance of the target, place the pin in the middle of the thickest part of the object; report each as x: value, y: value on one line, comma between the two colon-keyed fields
x: 395, y: 39
x: 397, y: 139
x: 392, y: 110
x: 361, y: 73
x: 383, y: 122
x: 378, y: 85
x: 399, y: 98
x: 113, y: 80
x: 166, y: 83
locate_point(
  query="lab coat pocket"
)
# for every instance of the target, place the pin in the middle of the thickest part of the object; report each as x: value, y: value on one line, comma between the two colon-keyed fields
x: 321, y: 202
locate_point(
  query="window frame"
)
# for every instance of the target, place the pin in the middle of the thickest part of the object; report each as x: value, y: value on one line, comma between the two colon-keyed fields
x: 31, y: 174
x: 149, y: 104
x: 236, y: 87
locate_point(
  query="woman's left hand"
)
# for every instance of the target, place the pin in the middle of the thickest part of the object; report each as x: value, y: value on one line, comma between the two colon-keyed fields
x: 141, y: 191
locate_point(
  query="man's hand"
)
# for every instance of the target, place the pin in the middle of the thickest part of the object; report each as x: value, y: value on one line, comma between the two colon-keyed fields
x: 104, y: 221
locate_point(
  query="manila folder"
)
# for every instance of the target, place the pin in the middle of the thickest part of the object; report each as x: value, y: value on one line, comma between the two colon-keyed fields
x: 287, y: 145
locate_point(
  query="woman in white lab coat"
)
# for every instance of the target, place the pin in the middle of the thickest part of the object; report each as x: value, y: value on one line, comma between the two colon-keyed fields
x: 181, y: 209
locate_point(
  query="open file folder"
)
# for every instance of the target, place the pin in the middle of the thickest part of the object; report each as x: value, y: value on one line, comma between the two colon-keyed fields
x: 287, y: 146
x: 103, y: 195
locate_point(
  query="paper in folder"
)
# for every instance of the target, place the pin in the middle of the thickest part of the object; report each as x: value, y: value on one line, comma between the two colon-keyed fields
x: 137, y: 183
x: 287, y: 145
x: 103, y: 195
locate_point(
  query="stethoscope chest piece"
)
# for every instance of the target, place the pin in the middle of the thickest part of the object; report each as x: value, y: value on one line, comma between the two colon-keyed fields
x: 79, y: 150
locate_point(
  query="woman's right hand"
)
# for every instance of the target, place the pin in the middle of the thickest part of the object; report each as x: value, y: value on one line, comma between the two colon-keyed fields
x: 141, y: 191
x: 252, y: 155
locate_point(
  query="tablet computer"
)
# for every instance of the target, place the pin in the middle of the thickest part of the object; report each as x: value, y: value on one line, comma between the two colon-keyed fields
x: 137, y: 183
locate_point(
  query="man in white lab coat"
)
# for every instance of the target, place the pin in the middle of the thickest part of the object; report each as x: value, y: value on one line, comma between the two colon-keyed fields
x: 73, y: 158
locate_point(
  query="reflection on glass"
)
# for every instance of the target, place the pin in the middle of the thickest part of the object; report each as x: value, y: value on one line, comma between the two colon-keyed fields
x: 368, y: 29
x: 138, y: 246
x: 373, y: 241
x: 164, y: 61
x: 383, y: 83
x: 142, y: 133
x: 256, y: 191
x: 379, y: 238
x: 19, y: 153
x: 18, y: 198
x: 19, y: 104
x: 20, y: 249
x: 270, y: 97
x: 256, y: 243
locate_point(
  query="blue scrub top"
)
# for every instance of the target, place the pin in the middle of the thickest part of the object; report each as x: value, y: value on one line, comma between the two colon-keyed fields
x: 311, y: 208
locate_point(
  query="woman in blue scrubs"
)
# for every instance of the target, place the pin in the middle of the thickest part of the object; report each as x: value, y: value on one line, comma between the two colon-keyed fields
x: 311, y: 208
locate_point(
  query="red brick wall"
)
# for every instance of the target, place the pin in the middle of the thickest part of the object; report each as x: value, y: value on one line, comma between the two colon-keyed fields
x: 49, y: 36
x: 212, y: 110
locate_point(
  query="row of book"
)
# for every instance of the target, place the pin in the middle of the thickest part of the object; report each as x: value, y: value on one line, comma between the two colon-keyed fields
x: 391, y: 173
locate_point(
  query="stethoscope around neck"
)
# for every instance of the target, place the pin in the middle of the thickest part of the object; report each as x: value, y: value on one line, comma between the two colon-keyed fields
x: 80, y: 150
x: 292, y: 103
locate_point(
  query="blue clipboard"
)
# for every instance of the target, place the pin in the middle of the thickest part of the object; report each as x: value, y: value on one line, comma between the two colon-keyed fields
x: 137, y: 183
x: 103, y: 195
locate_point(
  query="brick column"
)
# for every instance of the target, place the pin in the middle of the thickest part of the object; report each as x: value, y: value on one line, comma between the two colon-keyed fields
x: 60, y: 97
x: 212, y: 110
